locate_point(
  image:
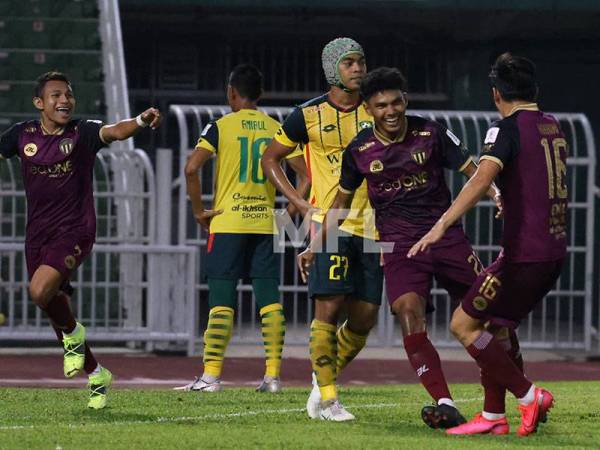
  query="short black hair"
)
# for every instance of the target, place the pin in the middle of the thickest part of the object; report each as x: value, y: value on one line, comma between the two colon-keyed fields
x: 48, y: 76
x: 248, y: 81
x: 515, y: 77
x: 382, y: 79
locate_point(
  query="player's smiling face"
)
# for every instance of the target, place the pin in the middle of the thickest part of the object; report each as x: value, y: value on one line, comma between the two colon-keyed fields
x: 353, y: 69
x: 388, y: 109
x: 56, y: 103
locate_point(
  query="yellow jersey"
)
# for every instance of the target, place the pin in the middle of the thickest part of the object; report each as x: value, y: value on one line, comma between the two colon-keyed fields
x: 325, y: 131
x: 241, y: 188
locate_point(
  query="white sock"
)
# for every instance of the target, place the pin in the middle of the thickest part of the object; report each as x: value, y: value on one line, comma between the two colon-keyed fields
x: 208, y: 378
x: 529, y: 397
x: 75, y: 330
x: 446, y: 401
x: 96, y: 370
x: 493, y: 416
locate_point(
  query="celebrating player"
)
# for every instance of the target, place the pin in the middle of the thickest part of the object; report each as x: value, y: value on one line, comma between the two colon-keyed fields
x: 326, y: 125
x: 57, y: 158
x: 240, y: 242
x: 527, y: 151
x: 402, y: 160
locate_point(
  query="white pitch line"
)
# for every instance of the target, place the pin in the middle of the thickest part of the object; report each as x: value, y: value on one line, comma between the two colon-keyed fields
x: 160, y: 420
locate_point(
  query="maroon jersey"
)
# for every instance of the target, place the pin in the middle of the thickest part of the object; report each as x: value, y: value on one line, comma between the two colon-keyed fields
x: 57, y: 174
x: 405, y: 178
x: 531, y: 149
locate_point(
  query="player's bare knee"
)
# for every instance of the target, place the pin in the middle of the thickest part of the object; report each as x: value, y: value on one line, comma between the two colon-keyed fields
x: 40, y: 294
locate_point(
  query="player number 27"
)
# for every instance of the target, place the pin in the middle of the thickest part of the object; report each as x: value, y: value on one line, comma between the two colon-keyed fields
x: 557, y: 172
x: 253, y: 153
x: 339, y: 262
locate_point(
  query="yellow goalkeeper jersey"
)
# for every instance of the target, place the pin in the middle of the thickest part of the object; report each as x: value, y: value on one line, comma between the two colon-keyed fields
x: 326, y: 130
x: 241, y: 188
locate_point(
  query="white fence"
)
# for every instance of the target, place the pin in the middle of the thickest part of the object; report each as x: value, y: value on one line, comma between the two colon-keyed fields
x: 563, y: 320
x: 130, y: 288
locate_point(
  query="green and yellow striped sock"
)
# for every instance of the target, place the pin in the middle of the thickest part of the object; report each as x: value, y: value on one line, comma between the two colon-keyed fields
x: 216, y: 338
x: 349, y: 344
x: 273, y: 332
x: 323, y: 356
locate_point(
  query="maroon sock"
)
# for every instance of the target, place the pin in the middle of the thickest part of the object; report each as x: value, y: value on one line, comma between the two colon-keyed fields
x: 425, y: 360
x: 59, y: 311
x: 492, y: 359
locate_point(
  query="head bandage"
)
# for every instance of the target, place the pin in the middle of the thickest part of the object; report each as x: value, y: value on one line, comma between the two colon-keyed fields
x: 333, y: 53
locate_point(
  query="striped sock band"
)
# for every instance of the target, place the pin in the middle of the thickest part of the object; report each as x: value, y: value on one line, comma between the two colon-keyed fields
x: 349, y: 344
x: 273, y: 332
x: 216, y: 338
x: 323, y: 356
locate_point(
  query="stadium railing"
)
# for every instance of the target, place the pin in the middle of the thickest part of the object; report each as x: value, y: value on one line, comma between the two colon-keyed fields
x: 562, y: 321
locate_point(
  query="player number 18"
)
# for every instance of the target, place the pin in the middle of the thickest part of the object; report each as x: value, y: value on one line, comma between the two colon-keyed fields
x: 255, y: 154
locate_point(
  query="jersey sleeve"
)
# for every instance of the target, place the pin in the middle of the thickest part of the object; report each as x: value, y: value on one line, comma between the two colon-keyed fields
x: 500, y: 144
x: 209, y: 138
x: 351, y: 178
x: 89, y: 131
x: 293, y: 131
x: 455, y: 155
x: 299, y: 151
x: 9, y: 142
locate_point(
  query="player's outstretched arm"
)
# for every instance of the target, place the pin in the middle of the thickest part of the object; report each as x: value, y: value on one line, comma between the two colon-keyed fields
x: 333, y: 217
x: 194, y: 189
x: 271, y: 165
x: 471, y: 193
x: 126, y: 128
x: 493, y: 192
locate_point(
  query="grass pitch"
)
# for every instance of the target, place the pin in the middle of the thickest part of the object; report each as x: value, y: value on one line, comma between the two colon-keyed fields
x: 387, y: 417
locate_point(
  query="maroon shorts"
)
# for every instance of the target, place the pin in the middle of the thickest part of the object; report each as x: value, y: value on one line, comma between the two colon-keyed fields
x: 506, y: 292
x: 455, y: 267
x: 64, y: 254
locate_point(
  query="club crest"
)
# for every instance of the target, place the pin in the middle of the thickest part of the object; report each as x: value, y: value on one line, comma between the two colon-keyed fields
x: 66, y: 146
x: 419, y: 156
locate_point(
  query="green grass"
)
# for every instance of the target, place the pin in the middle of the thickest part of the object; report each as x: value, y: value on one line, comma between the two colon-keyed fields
x: 387, y: 417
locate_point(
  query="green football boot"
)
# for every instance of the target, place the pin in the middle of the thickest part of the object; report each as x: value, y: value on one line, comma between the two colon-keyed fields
x: 99, y: 385
x: 74, y: 357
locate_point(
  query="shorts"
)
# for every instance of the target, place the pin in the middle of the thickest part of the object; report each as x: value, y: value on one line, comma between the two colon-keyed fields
x: 455, y: 267
x: 505, y: 292
x: 232, y: 256
x: 349, y: 271
x: 64, y: 254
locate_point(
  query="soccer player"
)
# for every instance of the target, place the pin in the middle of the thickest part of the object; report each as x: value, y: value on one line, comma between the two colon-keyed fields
x: 527, y: 151
x: 402, y: 160
x: 57, y: 156
x: 325, y: 126
x: 240, y: 242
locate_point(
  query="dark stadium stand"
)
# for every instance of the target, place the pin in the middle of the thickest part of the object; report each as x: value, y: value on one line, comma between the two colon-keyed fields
x: 37, y: 36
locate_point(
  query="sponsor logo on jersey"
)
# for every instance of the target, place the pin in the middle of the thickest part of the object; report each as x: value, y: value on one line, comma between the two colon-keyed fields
x: 491, y: 135
x: 363, y: 124
x: 66, y: 146
x: 54, y: 171
x: 70, y: 261
x: 480, y: 303
x: 419, y: 156
x: 405, y: 182
x: 329, y: 128
x: 30, y: 130
x: 421, y: 133
x: 30, y: 150
x: 364, y: 147
x: 376, y: 166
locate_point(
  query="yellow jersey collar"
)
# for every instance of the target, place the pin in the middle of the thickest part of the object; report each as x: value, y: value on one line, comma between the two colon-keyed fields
x: 524, y: 107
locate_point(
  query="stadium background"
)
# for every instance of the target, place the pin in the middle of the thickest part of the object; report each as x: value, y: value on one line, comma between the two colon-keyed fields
x: 180, y: 52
